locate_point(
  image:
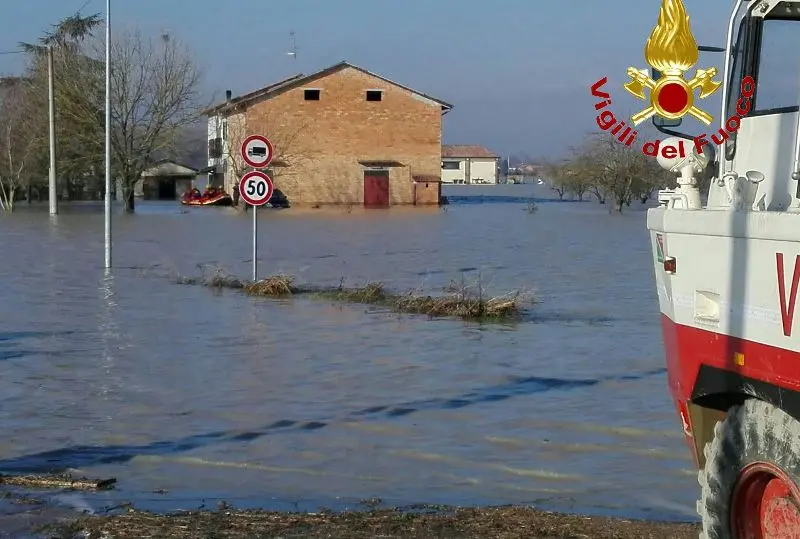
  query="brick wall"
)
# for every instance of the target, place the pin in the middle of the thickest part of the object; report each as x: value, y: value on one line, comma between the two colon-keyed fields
x: 323, y: 141
x: 429, y: 192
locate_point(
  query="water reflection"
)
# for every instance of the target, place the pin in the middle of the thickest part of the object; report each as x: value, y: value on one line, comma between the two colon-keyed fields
x: 109, y: 333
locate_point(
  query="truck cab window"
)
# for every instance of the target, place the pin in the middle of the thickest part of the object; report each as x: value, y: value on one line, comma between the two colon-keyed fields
x: 736, y: 69
x: 778, y: 88
x: 736, y: 76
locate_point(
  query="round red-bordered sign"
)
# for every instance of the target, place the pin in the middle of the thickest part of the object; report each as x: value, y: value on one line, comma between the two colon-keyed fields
x: 255, y: 188
x: 257, y: 151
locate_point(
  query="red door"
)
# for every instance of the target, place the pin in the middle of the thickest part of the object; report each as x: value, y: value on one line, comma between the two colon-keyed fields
x: 376, y: 189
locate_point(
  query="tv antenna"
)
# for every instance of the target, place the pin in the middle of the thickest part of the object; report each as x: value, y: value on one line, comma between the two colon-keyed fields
x: 293, y: 52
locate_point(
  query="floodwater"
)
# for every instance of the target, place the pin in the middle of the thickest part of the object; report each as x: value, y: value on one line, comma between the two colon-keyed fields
x: 189, y: 396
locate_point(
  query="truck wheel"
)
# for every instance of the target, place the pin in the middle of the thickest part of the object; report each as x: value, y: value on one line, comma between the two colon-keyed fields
x: 749, y: 486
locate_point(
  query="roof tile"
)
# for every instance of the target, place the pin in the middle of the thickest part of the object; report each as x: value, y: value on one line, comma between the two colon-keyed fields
x: 466, y: 150
x: 302, y: 79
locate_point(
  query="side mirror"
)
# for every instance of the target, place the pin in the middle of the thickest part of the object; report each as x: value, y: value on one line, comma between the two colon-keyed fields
x: 658, y: 121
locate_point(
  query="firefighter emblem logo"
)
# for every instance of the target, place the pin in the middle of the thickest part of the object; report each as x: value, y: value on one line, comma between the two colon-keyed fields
x: 672, y: 50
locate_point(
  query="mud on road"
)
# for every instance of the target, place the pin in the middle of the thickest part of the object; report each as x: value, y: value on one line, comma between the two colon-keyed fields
x: 501, y: 523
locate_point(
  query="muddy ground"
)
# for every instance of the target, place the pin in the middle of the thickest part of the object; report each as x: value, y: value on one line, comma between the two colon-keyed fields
x: 56, y: 517
x: 501, y: 522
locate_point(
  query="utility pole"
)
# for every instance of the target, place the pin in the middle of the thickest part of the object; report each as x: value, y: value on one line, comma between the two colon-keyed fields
x: 53, y: 195
x: 108, y: 136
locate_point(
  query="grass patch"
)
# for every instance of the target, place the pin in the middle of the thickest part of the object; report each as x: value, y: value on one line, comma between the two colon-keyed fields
x: 370, y: 294
x: 220, y: 279
x: 458, y: 300
x: 212, y: 278
x: 275, y: 286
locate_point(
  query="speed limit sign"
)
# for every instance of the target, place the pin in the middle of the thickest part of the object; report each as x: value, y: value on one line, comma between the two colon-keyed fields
x: 256, y: 188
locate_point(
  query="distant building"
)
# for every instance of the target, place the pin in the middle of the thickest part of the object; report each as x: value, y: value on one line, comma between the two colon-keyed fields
x: 166, y: 180
x: 469, y: 164
x: 525, y: 173
x: 343, y: 135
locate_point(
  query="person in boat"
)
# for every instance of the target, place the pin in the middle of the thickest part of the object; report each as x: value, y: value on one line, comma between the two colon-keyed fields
x: 194, y: 193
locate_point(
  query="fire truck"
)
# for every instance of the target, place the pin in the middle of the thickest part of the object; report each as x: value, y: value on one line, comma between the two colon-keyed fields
x: 727, y: 272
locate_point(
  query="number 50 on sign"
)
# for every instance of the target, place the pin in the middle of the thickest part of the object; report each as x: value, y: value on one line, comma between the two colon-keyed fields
x: 256, y: 188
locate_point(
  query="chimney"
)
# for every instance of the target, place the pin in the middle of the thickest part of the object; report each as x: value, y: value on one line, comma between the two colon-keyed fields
x: 228, y: 95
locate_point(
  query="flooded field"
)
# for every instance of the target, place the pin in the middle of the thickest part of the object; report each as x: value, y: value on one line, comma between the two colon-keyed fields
x: 190, y: 396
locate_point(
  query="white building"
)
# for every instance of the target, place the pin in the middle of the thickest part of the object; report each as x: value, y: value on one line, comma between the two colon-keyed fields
x: 218, y: 149
x: 463, y: 163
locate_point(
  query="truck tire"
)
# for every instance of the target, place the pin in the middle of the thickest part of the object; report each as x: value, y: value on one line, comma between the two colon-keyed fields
x: 749, y: 486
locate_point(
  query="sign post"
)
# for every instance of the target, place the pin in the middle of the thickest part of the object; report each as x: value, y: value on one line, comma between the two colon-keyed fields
x: 255, y: 187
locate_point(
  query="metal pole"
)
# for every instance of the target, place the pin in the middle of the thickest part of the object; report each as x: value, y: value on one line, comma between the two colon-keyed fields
x: 108, y: 136
x: 255, y: 244
x: 722, y: 167
x: 53, y: 195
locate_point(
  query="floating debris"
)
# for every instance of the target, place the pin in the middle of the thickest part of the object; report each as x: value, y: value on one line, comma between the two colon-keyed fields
x: 60, y: 481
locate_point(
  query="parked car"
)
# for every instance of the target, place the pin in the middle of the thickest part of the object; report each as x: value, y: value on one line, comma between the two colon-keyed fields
x: 278, y: 199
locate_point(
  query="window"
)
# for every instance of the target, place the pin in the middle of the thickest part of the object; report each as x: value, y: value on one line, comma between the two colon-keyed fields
x: 451, y: 165
x: 778, y: 68
x: 745, y: 55
x: 374, y: 95
x: 215, y: 148
x: 736, y: 69
x: 225, y: 129
x: 738, y: 66
x: 311, y: 94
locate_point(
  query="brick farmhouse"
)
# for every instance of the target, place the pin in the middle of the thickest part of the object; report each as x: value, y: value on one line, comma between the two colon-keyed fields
x: 342, y: 135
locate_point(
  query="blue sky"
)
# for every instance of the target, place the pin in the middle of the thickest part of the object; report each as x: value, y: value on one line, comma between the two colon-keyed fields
x: 517, y: 71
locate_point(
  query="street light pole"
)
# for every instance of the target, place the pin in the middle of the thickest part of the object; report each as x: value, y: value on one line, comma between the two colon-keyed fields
x: 108, y: 136
x: 52, y: 192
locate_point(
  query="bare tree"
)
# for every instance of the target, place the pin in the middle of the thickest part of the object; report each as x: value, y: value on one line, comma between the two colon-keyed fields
x: 617, y: 165
x: 21, y: 144
x: 578, y: 184
x: 191, y: 146
x: 78, y: 94
x: 584, y: 177
x: 614, y: 170
x: 557, y: 173
x: 154, y: 97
